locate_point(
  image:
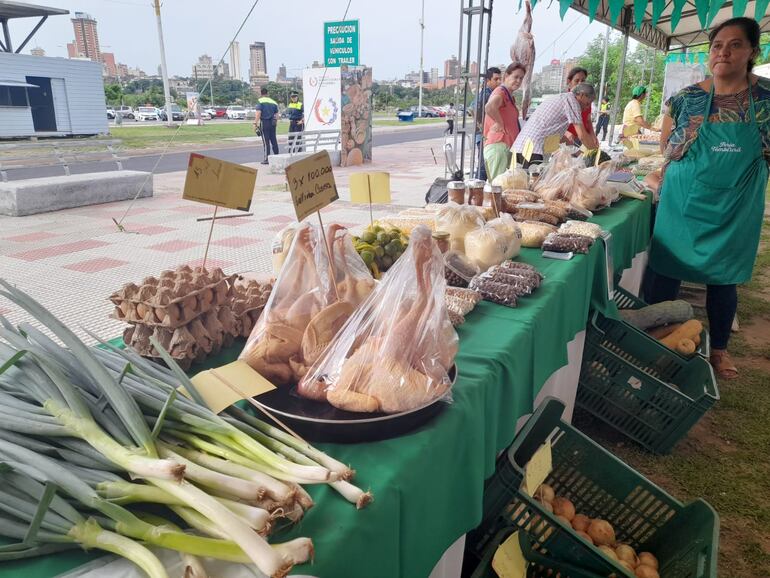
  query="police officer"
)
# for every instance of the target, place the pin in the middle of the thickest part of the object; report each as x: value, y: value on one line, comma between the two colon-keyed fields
x: 296, y: 118
x: 266, y: 121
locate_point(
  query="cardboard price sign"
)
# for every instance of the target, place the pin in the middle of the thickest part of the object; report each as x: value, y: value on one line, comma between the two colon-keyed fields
x: 508, y: 560
x: 219, y: 183
x: 312, y: 185
x: 212, y: 384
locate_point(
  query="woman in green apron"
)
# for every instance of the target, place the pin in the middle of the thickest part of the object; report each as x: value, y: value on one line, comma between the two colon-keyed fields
x: 712, y: 200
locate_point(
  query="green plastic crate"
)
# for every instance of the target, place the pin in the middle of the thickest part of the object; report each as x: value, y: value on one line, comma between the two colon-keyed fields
x: 641, y: 388
x: 684, y: 538
x: 626, y: 300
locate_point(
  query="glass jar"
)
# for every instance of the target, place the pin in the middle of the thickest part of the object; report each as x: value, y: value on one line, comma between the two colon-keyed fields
x: 442, y: 240
x: 456, y: 192
x: 493, y: 197
x: 475, y: 192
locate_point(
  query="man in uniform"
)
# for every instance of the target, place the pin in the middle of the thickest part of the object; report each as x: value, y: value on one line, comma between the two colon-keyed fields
x: 265, y: 122
x: 296, y: 118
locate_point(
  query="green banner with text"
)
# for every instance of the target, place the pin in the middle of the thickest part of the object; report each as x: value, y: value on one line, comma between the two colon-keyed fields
x: 341, y: 43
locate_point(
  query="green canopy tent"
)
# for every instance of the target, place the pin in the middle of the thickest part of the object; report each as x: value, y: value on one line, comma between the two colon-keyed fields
x: 664, y: 24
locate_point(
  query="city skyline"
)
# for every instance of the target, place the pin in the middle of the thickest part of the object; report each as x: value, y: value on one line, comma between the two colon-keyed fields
x: 380, y: 25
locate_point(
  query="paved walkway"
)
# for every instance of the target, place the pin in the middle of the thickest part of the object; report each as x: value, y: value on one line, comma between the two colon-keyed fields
x: 72, y: 260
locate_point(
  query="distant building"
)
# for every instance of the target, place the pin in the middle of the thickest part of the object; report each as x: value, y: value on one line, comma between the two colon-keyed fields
x: 135, y: 72
x: 37, y: 51
x: 257, y: 64
x: 474, y: 71
x: 222, y: 71
x: 72, y: 50
x: 109, y: 67
x: 122, y: 70
x: 235, y: 60
x: 434, y: 76
x: 204, y: 68
x: 552, y: 77
x: 281, y: 76
x: 316, y: 64
x: 569, y: 64
x: 86, y: 37
x: 452, y: 68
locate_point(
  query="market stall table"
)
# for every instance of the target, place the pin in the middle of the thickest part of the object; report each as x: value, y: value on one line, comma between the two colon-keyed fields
x: 428, y: 485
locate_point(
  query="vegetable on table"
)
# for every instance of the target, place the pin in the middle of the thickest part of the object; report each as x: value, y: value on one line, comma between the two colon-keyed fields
x: 76, y: 423
x: 662, y: 313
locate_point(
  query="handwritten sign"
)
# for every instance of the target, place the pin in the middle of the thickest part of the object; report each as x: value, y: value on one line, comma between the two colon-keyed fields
x: 551, y: 143
x: 538, y: 468
x: 509, y: 561
x: 312, y: 185
x: 216, y: 182
x: 370, y: 188
x: 529, y: 148
x: 212, y: 384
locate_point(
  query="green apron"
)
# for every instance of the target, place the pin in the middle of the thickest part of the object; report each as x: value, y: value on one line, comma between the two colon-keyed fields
x: 709, y: 218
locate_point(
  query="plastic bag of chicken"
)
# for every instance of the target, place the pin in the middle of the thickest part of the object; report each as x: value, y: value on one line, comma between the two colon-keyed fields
x: 306, y: 308
x: 395, y: 352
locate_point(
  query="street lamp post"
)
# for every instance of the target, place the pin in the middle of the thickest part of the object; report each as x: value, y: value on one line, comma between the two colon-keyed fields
x: 422, y: 35
x: 163, y: 69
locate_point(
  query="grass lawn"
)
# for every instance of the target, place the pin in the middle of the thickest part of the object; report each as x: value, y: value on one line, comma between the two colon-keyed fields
x: 724, y: 459
x: 157, y: 136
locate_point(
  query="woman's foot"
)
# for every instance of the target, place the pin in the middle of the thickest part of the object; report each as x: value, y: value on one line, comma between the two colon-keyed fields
x: 722, y: 364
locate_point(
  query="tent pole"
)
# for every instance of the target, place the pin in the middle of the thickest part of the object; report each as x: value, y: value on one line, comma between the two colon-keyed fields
x: 649, y: 84
x: 604, y: 66
x: 619, y: 87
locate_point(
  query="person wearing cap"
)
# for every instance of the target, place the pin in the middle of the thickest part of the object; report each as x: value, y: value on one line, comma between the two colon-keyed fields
x: 633, y: 119
x: 296, y: 118
x: 266, y: 121
x: 552, y: 118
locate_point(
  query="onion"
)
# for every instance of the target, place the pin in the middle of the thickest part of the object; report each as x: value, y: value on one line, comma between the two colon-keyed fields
x: 580, y: 522
x: 585, y: 536
x: 627, y: 553
x: 644, y: 571
x: 564, y: 521
x: 547, y: 506
x: 626, y: 565
x: 601, y: 532
x: 648, y: 560
x: 545, y: 493
x: 609, y: 552
x: 563, y: 507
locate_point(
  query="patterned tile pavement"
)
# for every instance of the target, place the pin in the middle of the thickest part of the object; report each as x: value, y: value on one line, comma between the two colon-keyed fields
x: 71, y: 260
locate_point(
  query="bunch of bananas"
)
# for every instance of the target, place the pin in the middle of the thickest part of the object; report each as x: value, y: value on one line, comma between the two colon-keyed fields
x: 380, y: 247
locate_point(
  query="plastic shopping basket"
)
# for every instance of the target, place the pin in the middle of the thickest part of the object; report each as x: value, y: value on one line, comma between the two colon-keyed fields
x: 640, y: 387
x: 684, y: 538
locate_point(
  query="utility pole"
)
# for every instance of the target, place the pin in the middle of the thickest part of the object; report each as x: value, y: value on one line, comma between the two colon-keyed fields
x: 604, y: 66
x: 422, y: 34
x: 649, y: 84
x: 163, y: 69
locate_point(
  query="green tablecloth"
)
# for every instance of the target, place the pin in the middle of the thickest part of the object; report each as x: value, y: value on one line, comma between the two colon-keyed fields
x: 428, y: 485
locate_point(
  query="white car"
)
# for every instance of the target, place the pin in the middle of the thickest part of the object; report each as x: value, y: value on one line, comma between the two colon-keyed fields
x: 146, y: 113
x: 236, y: 112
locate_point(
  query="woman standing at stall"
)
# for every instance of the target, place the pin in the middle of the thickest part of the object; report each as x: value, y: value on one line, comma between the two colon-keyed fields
x: 501, y: 123
x: 633, y: 119
x: 712, y: 200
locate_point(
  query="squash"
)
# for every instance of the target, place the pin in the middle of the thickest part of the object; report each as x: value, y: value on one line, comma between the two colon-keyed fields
x: 683, y: 338
x: 663, y: 331
x: 662, y: 313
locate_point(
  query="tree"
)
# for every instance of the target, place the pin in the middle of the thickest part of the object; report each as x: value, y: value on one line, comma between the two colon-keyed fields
x: 113, y: 93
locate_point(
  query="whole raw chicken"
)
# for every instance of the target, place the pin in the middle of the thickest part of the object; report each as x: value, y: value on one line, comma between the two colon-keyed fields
x: 523, y: 52
x: 395, y: 351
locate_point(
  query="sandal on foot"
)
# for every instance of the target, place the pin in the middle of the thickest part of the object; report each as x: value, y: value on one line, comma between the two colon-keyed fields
x: 723, y: 365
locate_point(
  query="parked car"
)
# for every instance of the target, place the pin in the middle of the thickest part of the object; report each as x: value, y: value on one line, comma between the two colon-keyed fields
x: 146, y: 113
x: 438, y: 110
x: 426, y: 112
x: 110, y: 112
x: 217, y: 111
x: 125, y: 111
x: 235, y: 112
x: 176, y: 113
x: 251, y: 113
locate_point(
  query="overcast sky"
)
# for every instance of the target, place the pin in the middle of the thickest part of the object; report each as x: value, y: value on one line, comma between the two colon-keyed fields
x: 293, y: 32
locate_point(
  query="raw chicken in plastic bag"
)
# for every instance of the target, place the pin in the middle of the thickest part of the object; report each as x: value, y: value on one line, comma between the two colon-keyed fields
x: 304, y: 313
x: 591, y: 191
x: 395, y: 352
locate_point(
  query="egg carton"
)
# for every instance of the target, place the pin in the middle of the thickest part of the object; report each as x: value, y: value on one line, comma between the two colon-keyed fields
x: 174, y: 299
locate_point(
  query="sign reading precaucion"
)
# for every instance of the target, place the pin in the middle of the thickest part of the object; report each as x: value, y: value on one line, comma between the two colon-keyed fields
x: 311, y: 182
x: 219, y: 183
x: 341, y: 43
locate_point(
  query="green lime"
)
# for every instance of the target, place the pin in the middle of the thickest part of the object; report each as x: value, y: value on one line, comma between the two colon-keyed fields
x: 383, y: 238
x: 379, y: 251
x: 369, y: 237
x: 367, y: 256
x: 392, y: 248
x: 387, y: 261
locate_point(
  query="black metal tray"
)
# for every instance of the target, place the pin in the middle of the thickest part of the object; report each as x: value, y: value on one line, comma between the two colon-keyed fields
x: 318, y: 421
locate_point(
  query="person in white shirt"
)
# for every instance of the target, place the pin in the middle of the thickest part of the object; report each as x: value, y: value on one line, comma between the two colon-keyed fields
x: 450, y: 119
x: 553, y: 117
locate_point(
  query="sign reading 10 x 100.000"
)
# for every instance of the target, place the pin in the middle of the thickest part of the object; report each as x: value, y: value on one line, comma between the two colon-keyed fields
x: 341, y: 43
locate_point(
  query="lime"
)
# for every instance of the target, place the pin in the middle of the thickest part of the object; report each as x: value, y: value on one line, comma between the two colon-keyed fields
x: 383, y: 238
x: 379, y: 251
x: 387, y: 261
x: 369, y: 237
x: 367, y: 256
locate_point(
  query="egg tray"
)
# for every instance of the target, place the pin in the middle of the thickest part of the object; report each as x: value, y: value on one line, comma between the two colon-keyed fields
x: 178, y: 311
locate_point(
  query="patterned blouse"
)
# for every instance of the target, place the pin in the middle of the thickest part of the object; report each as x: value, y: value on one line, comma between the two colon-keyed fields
x: 686, y: 109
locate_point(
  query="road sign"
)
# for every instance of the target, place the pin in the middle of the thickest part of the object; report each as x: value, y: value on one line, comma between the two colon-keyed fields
x: 341, y: 43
